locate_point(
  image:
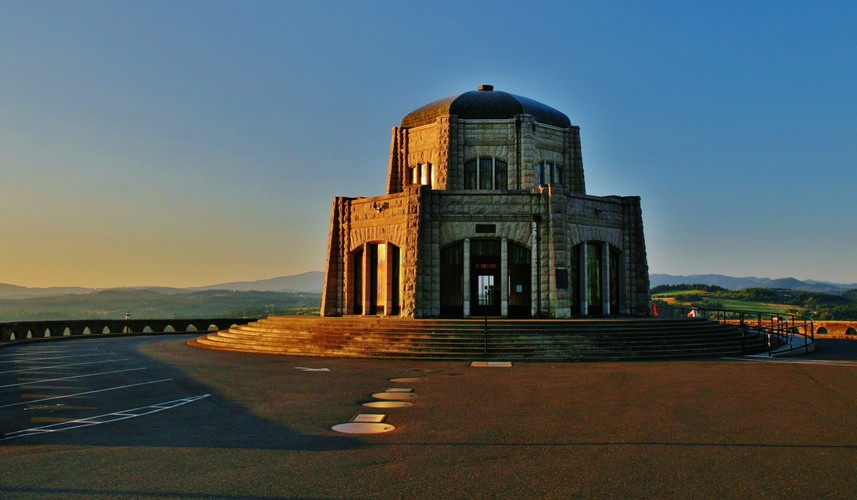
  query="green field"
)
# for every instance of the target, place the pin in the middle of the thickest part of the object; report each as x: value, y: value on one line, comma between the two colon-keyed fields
x: 712, y: 301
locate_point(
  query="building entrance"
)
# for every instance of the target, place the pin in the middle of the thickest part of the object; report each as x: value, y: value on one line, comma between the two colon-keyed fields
x: 485, y: 277
x: 488, y: 276
x: 486, y: 294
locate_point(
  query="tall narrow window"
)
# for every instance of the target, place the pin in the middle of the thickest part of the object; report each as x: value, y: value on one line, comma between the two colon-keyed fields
x: 470, y: 175
x: 548, y: 173
x: 426, y: 174
x: 486, y: 180
x: 486, y: 173
x: 614, y: 280
x: 452, y: 280
x: 501, y: 176
x: 593, y: 273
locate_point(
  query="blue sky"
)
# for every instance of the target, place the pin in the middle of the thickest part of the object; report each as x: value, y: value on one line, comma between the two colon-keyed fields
x: 183, y: 143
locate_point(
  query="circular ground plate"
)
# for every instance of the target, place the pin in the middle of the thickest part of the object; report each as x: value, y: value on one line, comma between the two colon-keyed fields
x: 387, y: 404
x: 408, y: 379
x: 395, y: 396
x: 362, y: 428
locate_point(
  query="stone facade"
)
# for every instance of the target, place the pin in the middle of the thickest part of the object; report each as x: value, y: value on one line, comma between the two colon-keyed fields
x: 486, y: 213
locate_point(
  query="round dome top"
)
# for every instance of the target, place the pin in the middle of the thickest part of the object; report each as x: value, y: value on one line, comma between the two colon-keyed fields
x: 485, y: 103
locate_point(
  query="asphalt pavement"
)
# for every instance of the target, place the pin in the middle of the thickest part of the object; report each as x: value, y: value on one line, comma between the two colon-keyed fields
x: 149, y: 417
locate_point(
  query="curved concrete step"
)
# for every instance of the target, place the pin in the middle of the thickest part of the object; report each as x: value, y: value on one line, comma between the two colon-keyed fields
x: 607, y: 339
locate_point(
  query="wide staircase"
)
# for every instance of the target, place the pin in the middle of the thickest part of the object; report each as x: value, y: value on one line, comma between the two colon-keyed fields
x: 569, y: 340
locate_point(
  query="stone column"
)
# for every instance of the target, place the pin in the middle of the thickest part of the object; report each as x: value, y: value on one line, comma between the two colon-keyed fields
x: 347, y: 280
x: 367, y: 279
x: 389, y: 306
x: 535, y: 261
x: 584, y: 279
x: 504, y: 278
x: 466, y: 278
x: 605, y: 278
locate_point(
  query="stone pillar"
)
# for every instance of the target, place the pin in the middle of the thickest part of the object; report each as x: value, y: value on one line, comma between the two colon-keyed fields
x: 584, y: 279
x: 389, y: 306
x: 535, y: 262
x: 504, y: 277
x: 605, y: 278
x: 466, y: 278
x: 367, y: 279
x: 348, y: 284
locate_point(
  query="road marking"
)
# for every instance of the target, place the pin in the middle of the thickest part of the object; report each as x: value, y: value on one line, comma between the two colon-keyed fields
x: 63, y: 366
x: 39, y: 397
x: 103, y: 419
x: 31, y: 360
x: 41, y: 352
x: 58, y: 407
x: 87, y: 392
x: 820, y: 362
x: 69, y: 378
x: 52, y: 387
x: 46, y: 420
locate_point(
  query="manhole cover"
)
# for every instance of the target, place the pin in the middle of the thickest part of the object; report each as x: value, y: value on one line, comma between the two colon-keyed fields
x: 387, y: 404
x: 394, y: 396
x: 405, y: 380
x: 362, y: 428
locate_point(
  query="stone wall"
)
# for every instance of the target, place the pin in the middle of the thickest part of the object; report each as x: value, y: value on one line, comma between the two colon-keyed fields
x: 421, y: 220
x: 357, y: 221
x: 449, y: 142
x: 836, y: 329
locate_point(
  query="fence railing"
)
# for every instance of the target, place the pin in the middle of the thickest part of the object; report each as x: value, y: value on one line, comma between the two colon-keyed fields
x: 29, y: 330
x: 784, y: 332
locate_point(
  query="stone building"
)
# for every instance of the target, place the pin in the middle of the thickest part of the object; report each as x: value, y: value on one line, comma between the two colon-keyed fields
x: 486, y: 212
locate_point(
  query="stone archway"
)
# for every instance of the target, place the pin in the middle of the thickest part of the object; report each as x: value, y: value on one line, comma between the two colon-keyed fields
x: 376, y: 279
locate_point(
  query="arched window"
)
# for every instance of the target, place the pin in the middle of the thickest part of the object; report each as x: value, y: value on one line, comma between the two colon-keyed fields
x: 548, y: 173
x: 486, y: 172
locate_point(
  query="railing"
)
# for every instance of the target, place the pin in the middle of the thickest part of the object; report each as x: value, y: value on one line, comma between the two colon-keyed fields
x: 27, y: 330
x: 784, y: 332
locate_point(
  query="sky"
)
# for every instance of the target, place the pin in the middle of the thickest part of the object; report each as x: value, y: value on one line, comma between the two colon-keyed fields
x: 187, y: 143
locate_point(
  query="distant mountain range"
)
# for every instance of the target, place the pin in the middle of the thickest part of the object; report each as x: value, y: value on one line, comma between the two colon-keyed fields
x: 732, y: 283
x: 309, y: 282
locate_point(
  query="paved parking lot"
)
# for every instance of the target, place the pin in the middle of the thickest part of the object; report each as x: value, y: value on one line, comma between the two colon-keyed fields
x: 63, y: 386
x: 149, y: 417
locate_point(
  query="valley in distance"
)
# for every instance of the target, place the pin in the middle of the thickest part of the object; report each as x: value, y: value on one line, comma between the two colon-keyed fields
x: 300, y: 294
x: 287, y: 295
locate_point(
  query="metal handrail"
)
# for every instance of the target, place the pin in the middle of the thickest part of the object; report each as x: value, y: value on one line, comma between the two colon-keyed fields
x: 780, y: 329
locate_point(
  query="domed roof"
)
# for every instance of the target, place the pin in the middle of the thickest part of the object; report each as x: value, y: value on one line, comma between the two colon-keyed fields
x: 485, y: 103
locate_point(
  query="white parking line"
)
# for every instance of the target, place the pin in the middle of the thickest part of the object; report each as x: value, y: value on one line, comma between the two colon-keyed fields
x: 22, y: 353
x: 820, y: 362
x: 34, y: 382
x: 30, y: 360
x: 85, y: 393
x: 104, y: 419
x: 50, y: 367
